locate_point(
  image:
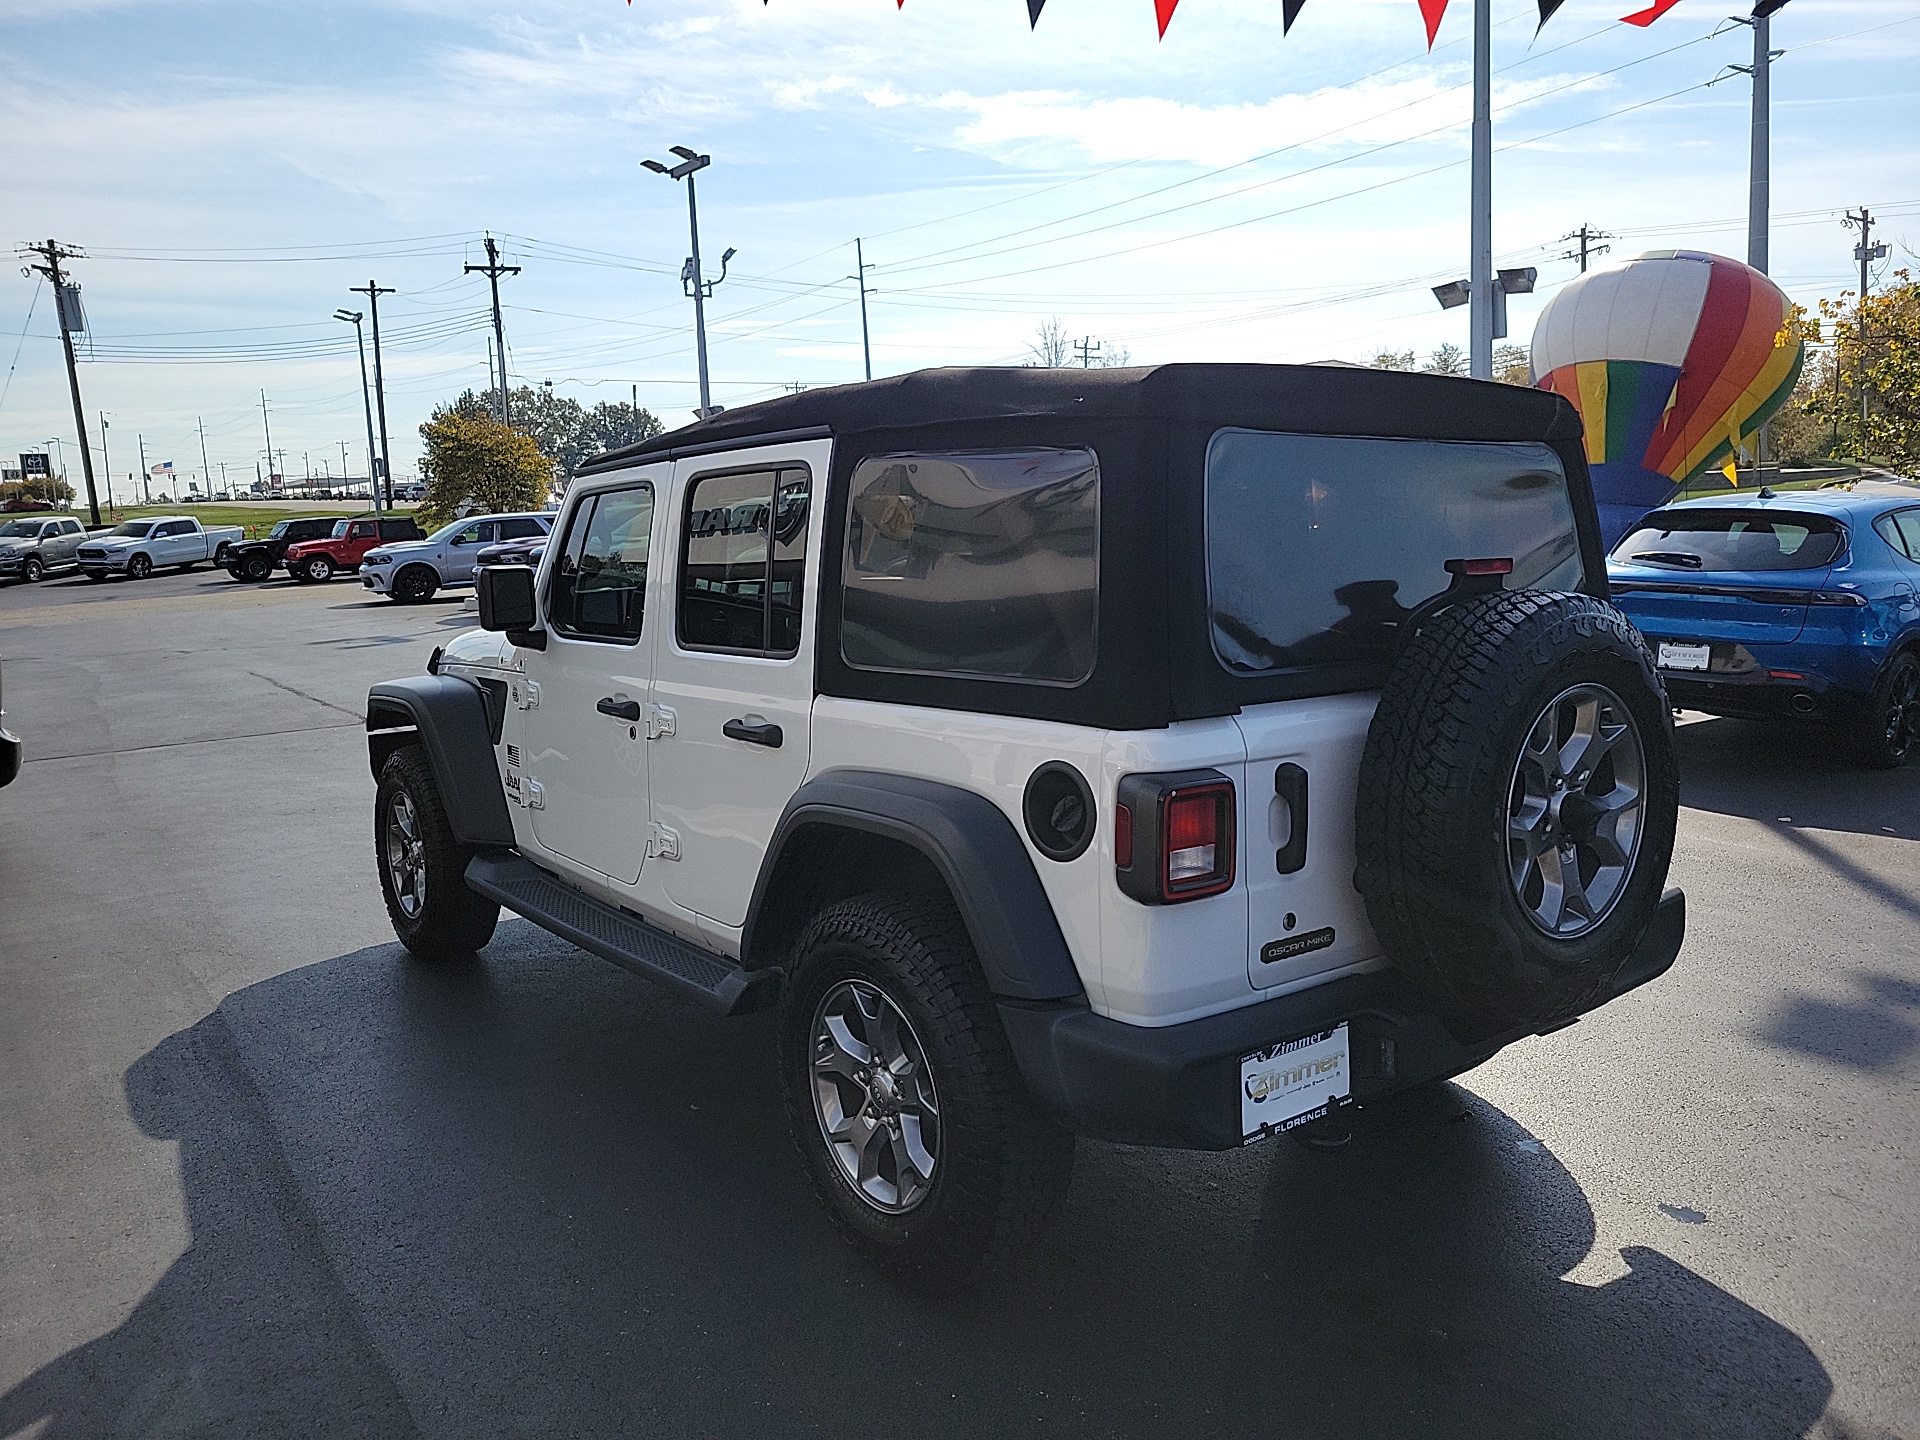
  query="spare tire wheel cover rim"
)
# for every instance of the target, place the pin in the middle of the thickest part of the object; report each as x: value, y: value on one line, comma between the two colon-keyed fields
x: 1574, y: 807
x: 874, y: 1097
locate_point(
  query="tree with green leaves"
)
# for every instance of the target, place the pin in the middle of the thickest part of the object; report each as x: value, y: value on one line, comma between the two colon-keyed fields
x: 567, y: 432
x: 1873, y: 357
x: 475, y: 461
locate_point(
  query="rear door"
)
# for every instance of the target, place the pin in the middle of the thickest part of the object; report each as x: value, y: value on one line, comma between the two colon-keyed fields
x: 72, y: 536
x: 733, y: 673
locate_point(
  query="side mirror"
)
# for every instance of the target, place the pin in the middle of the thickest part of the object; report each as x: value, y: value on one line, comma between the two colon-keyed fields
x: 505, y: 593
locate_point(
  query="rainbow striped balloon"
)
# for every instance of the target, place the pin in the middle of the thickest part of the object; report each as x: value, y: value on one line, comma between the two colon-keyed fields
x: 1674, y: 360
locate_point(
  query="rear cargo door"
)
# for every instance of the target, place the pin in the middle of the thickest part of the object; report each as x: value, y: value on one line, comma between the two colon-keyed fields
x: 1303, y: 761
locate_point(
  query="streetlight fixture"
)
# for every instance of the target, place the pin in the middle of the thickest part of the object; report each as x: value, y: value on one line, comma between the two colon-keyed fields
x: 353, y: 318
x: 697, y: 286
x: 1456, y: 293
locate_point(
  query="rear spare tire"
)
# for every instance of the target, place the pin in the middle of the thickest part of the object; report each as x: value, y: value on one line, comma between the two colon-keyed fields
x: 1516, y: 807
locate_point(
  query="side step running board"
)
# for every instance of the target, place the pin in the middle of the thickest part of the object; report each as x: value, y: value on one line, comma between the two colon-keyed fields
x: 614, y: 934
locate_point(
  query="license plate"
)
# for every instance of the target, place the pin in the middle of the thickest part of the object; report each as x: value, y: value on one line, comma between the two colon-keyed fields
x: 1682, y: 657
x: 1293, y: 1082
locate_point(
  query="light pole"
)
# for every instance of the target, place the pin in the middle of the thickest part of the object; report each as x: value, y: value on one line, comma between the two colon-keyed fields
x: 373, y: 292
x: 106, y: 465
x: 692, y: 281
x: 1480, y: 316
x: 353, y: 318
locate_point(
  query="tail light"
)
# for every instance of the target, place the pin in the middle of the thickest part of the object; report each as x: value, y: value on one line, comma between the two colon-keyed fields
x: 1174, y: 836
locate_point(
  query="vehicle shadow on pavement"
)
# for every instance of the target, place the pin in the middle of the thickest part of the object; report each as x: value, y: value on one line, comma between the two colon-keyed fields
x: 533, y: 1195
x: 1770, y: 772
x: 1874, y: 1032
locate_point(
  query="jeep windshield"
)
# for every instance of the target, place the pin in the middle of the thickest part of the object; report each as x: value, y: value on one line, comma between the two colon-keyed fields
x: 1320, y: 546
x: 136, y: 529
x: 280, y: 529
x: 1689, y: 540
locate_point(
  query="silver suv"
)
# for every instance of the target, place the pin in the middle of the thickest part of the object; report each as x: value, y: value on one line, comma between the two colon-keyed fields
x: 410, y: 571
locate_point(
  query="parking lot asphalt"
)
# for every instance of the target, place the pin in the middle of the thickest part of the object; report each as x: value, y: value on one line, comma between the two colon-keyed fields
x: 264, y: 1175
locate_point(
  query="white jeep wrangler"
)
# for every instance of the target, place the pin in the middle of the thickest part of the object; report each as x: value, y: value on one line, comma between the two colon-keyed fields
x: 1174, y: 756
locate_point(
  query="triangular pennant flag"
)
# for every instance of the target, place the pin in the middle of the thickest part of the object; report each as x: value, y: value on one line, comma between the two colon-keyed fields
x: 1732, y: 471
x: 1163, y: 12
x: 1431, y: 11
x: 1646, y: 17
x: 1289, y: 11
x: 1547, y: 7
x: 1034, y: 7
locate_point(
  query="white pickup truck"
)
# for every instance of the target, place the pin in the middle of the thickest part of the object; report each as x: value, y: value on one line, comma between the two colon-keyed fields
x: 139, y: 547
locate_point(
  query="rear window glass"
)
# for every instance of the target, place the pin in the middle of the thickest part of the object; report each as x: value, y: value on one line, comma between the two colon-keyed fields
x: 1319, y: 546
x: 1696, y: 540
x: 977, y: 563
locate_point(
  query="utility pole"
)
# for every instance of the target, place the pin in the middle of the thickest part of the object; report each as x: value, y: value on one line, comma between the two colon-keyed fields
x: 373, y: 293
x: 1087, y: 349
x: 145, y: 489
x: 493, y: 270
x: 1480, y: 239
x: 353, y: 318
x: 1866, y: 252
x: 269, y: 429
x: 346, y: 470
x: 860, y: 274
x: 67, y: 311
x: 106, y: 465
x: 692, y: 281
x: 1759, y: 183
x: 1587, y: 236
x: 206, y: 470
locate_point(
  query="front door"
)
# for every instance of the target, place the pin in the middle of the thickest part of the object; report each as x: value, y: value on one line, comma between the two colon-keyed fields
x: 462, y: 546
x: 735, y: 670
x: 583, y: 766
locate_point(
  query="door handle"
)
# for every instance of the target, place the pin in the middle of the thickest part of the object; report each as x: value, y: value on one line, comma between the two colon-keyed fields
x: 754, y: 732
x: 1290, y: 784
x: 627, y: 710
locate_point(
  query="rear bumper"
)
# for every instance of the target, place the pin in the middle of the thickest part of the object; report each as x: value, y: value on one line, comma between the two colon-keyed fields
x: 1178, y: 1086
x: 1761, y: 697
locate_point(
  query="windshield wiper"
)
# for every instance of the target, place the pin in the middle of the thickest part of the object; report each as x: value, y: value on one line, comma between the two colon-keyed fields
x: 1681, y: 558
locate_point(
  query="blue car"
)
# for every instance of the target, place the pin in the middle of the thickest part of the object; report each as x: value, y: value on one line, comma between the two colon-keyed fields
x: 1799, y: 606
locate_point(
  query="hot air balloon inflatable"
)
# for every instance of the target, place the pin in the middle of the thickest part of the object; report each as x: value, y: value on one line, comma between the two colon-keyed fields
x: 1674, y: 361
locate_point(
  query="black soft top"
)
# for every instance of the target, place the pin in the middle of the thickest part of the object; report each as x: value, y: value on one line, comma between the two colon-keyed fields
x: 1319, y: 399
x: 1149, y: 427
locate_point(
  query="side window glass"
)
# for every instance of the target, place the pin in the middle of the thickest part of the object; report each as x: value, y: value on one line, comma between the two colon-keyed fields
x: 599, y: 586
x: 1889, y: 528
x: 70, y: 527
x: 520, y: 529
x: 743, y: 562
x: 1909, y: 523
x: 361, y: 530
x: 973, y: 563
x: 474, y: 535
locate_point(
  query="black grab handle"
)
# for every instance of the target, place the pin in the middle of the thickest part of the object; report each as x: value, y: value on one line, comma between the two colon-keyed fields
x: 628, y: 710
x: 756, y: 732
x: 1290, y: 784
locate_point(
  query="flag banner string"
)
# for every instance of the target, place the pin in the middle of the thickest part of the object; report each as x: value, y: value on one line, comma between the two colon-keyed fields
x: 1432, y: 12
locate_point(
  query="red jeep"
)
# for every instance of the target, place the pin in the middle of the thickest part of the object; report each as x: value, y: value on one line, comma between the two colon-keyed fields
x: 313, y: 561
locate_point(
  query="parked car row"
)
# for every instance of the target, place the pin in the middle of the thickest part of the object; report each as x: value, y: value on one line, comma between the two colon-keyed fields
x: 139, y: 547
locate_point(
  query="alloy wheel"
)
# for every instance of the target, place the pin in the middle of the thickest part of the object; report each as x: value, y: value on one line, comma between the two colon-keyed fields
x: 1903, y: 712
x: 874, y: 1097
x: 1574, y: 810
x: 139, y: 567
x: 406, y: 856
x: 32, y: 570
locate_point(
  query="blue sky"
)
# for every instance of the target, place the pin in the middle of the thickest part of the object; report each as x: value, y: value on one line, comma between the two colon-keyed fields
x: 1226, y: 193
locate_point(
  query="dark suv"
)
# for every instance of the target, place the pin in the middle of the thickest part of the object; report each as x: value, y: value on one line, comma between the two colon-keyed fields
x: 256, y: 560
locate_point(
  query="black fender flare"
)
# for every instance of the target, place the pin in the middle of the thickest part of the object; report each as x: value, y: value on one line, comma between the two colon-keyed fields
x: 972, y: 845
x: 454, y: 724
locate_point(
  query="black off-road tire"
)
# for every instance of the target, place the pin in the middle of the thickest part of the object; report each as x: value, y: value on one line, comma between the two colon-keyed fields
x: 1888, y: 734
x: 139, y: 567
x: 1002, y: 1165
x: 414, y: 585
x: 254, y: 566
x: 32, y: 570
x: 449, y: 921
x: 1437, y: 784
